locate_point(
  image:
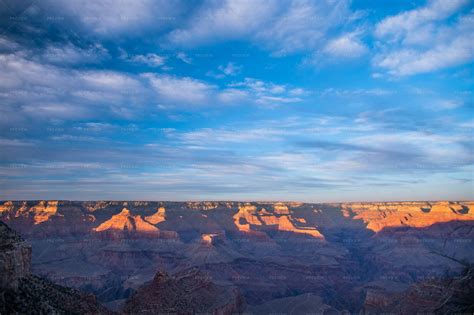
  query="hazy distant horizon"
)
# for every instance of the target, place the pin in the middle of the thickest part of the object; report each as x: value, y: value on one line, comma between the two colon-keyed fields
x: 240, y: 201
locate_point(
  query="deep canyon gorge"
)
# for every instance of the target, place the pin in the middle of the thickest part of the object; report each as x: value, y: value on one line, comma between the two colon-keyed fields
x: 252, y: 257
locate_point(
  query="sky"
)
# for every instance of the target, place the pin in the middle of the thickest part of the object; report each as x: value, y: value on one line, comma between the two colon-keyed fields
x: 315, y: 101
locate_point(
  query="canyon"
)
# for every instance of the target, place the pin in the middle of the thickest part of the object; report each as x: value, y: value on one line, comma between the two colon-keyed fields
x: 257, y: 257
x: 22, y: 292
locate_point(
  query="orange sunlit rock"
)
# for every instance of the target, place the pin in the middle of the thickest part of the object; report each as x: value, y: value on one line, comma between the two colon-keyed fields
x: 413, y: 214
x: 281, y: 219
x: 207, y: 239
x: 44, y: 210
x: 125, y: 221
x: 157, y: 217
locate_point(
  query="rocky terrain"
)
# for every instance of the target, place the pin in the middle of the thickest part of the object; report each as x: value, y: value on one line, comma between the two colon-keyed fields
x: 186, y: 292
x: 259, y: 255
x: 445, y: 295
x: 24, y: 293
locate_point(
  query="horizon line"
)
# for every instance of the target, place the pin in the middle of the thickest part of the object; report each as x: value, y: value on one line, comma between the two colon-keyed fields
x: 236, y: 201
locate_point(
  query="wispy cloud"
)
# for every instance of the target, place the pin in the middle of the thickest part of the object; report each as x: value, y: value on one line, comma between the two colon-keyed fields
x: 283, y: 27
x: 267, y: 92
x: 181, y: 89
x: 422, y: 40
x: 230, y: 69
x: 345, y: 46
x: 215, y: 99
x: 152, y: 60
x: 50, y: 92
x: 69, y: 54
x: 184, y: 57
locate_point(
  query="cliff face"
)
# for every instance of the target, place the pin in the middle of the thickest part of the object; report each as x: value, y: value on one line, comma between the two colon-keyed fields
x: 22, y: 292
x: 379, y: 216
x: 445, y: 295
x: 187, y: 292
x: 15, y: 258
x: 251, y: 218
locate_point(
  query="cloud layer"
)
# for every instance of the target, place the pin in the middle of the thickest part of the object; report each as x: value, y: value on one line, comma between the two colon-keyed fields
x: 236, y: 99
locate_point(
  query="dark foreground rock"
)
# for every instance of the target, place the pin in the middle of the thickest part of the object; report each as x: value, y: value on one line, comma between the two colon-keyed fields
x: 24, y: 293
x: 188, y: 292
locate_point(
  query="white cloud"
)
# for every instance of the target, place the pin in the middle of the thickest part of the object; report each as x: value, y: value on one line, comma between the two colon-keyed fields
x: 447, y: 104
x: 423, y: 40
x: 297, y: 92
x: 230, y: 19
x: 57, y: 111
x: 231, y: 69
x: 268, y: 93
x: 268, y: 99
x: 45, y: 91
x: 283, y: 27
x: 152, y: 60
x: 181, y: 89
x: 354, y: 92
x: 233, y: 95
x: 186, y: 90
x: 304, y: 25
x: 69, y: 54
x: 109, y: 80
x: 184, y: 57
x: 427, y: 149
x: 408, y: 61
x: 399, y: 25
x: 207, y: 136
x: 346, y: 46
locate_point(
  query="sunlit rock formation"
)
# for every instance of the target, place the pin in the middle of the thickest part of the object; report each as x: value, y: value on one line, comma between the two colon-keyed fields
x: 40, y: 212
x: 250, y: 218
x: 210, y: 239
x: 125, y: 221
x: 157, y: 217
x: 44, y: 210
x: 413, y: 214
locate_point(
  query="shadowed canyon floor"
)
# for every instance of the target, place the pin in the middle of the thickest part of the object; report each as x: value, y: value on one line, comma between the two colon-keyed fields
x: 258, y: 257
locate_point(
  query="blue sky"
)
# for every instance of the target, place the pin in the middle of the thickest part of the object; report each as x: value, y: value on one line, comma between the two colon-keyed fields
x: 237, y: 100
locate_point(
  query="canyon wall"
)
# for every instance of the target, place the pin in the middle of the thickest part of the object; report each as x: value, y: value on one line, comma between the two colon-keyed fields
x: 344, y: 256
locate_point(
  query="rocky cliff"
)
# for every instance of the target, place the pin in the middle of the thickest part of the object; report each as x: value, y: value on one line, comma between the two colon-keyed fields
x: 443, y: 295
x: 24, y: 293
x: 187, y: 292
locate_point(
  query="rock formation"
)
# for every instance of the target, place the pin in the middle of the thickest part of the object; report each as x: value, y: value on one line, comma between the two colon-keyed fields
x: 157, y: 217
x: 15, y: 258
x: 188, y: 292
x: 24, y: 293
x: 249, y: 218
x: 412, y: 214
x: 126, y: 222
x: 444, y: 295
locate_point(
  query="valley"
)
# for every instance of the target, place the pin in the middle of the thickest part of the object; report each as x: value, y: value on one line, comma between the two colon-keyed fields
x: 341, y: 257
